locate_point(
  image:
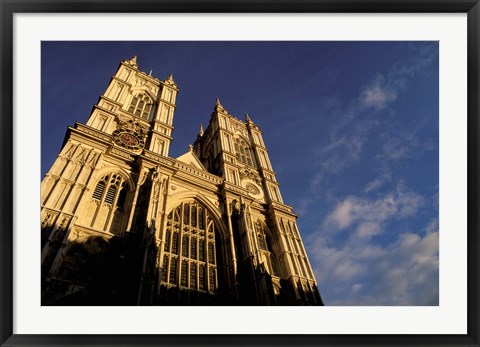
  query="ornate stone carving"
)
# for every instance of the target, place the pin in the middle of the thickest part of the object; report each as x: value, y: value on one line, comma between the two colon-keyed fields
x: 121, y: 154
x: 202, y: 174
x: 169, y: 81
x: 127, y: 123
x: 94, y: 133
x: 81, y: 156
x: 158, y: 158
x: 252, y: 189
x: 76, y: 234
x: 132, y: 62
x: 69, y: 152
x: 155, y: 174
x: 48, y: 220
x: 195, y: 189
x: 93, y: 159
x: 248, y: 173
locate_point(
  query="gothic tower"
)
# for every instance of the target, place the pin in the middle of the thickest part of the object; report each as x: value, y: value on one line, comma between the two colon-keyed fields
x: 270, y: 255
x: 125, y: 224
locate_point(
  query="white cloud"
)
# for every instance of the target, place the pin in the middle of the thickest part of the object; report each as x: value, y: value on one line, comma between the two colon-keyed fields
x: 353, y: 124
x: 385, y: 88
x: 368, y: 216
x: 378, y: 95
x: 354, y: 128
x: 368, y: 229
x: 357, y: 287
x: 344, y: 213
x: 359, y: 259
x: 403, y: 272
x: 378, y: 182
x: 374, y: 185
x: 403, y: 144
x: 353, y: 268
x: 344, y: 149
x: 421, y: 56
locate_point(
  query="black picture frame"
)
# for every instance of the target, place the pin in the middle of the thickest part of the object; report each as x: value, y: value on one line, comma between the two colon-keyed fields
x: 10, y: 7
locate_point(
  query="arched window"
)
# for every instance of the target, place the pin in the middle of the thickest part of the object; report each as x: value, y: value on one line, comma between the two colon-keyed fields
x: 243, y: 152
x: 190, y: 259
x: 111, y: 190
x: 140, y: 106
x: 261, y: 237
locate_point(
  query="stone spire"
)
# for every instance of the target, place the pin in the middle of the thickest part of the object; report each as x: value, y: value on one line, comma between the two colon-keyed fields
x: 218, y: 106
x: 133, y: 61
x: 170, y: 81
x: 200, y: 131
x: 247, y: 118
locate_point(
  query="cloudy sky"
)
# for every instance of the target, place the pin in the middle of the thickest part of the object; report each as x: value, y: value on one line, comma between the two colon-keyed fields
x: 351, y: 128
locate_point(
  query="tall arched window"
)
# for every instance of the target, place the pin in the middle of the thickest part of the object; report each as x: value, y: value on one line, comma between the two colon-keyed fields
x: 267, y: 251
x: 261, y: 237
x: 243, y: 152
x: 140, y: 106
x: 111, y: 190
x: 189, y: 250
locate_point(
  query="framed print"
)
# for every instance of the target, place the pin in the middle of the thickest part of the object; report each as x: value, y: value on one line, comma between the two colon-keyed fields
x: 240, y: 173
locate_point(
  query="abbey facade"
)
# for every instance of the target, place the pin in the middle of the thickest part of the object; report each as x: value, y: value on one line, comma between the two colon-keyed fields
x: 122, y: 223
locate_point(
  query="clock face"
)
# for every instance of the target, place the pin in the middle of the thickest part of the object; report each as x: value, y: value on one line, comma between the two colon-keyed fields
x: 128, y: 140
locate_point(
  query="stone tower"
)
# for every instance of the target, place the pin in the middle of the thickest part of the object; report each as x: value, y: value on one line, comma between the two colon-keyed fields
x: 125, y: 224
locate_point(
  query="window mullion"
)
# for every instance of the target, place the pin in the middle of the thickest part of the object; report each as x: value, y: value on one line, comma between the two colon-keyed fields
x: 117, y: 193
x: 105, y: 189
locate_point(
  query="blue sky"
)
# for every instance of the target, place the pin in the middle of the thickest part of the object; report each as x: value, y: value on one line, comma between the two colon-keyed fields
x: 351, y: 128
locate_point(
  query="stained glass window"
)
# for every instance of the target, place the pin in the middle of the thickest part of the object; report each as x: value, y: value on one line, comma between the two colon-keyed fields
x: 167, y: 241
x: 193, y: 248
x: 187, y: 224
x: 193, y: 275
x: 211, y: 278
x: 184, y: 274
x: 175, y: 243
x: 173, y: 270
x: 185, y: 245
x: 165, y: 268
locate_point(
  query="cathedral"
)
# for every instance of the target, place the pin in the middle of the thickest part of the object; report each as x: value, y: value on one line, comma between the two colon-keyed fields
x: 122, y: 223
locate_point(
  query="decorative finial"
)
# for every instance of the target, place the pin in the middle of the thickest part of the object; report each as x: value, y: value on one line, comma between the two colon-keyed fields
x: 200, y: 131
x: 170, y: 81
x: 247, y: 118
x: 150, y: 74
x: 132, y: 62
x: 190, y: 148
x: 218, y: 105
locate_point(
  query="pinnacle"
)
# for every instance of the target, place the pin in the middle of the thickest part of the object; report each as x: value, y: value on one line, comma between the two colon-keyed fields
x: 132, y: 61
x: 218, y: 105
